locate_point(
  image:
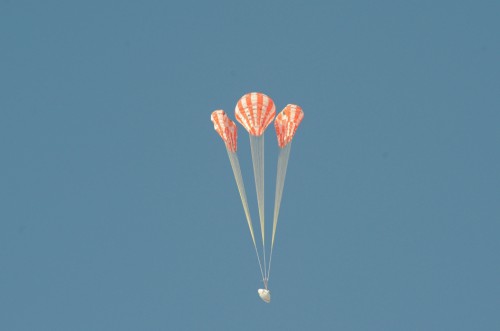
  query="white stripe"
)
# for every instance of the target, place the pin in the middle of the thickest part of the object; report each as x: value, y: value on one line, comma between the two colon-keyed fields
x: 245, y: 110
x: 278, y: 127
x: 216, y: 120
x: 265, y: 105
x: 270, y: 113
x: 256, y: 121
x: 294, y: 118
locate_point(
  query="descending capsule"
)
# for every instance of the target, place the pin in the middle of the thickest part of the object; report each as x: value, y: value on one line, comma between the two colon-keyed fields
x: 286, y: 124
x: 255, y: 111
x: 265, y: 295
x: 226, y: 128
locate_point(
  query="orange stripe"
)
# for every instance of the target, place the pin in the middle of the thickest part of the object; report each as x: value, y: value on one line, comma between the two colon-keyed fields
x: 291, y: 123
x: 243, y: 115
x: 232, y: 136
x: 270, y: 112
x: 216, y: 121
x: 260, y: 98
x: 249, y: 112
x: 278, y: 123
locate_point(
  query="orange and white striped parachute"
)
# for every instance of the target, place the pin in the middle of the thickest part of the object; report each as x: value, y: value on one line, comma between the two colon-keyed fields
x: 286, y: 124
x: 255, y: 111
x: 226, y: 128
x: 228, y: 131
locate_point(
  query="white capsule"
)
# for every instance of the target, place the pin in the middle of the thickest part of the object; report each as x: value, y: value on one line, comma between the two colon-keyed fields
x: 265, y: 295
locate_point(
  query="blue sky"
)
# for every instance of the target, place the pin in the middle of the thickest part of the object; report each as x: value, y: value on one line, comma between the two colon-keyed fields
x: 119, y: 210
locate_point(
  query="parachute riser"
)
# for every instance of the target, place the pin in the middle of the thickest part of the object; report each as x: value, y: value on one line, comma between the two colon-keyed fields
x: 257, y: 150
x: 283, y: 158
x: 235, y: 165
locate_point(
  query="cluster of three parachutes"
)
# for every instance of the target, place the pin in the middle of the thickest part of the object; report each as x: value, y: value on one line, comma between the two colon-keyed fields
x: 255, y: 111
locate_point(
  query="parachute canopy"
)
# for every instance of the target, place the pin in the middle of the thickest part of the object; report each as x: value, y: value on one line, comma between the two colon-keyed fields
x: 255, y: 111
x: 226, y: 128
x: 287, y: 122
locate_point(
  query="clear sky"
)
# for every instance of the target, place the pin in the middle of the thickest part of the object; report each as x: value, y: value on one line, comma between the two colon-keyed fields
x: 118, y: 208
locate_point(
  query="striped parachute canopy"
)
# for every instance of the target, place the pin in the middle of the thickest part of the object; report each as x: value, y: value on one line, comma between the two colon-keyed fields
x: 255, y: 111
x: 226, y: 128
x: 287, y: 122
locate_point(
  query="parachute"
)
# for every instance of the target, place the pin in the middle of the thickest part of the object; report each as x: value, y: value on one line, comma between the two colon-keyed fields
x: 229, y: 134
x: 255, y: 112
x: 286, y: 125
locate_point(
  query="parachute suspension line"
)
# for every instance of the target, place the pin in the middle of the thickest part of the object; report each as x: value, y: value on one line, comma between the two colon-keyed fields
x: 257, y: 149
x: 284, y: 155
x: 235, y: 165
